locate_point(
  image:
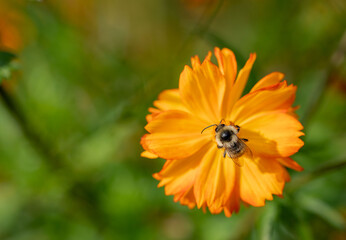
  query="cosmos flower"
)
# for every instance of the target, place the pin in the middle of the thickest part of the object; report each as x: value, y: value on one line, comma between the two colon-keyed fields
x: 196, y: 171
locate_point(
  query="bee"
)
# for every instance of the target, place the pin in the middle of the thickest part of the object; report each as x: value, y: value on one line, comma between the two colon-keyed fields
x: 234, y: 147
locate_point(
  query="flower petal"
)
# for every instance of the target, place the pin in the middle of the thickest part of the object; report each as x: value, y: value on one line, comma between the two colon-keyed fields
x: 276, y: 97
x: 169, y: 100
x: 274, y: 134
x: 215, y: 181
x: 270, y: 79
x: 288, y: 162
x: 178, y: 176
x: 202, y: 91
x: 233, y: 202
x: 148, y: 154
x: 195, y: 62
x: 153, y: 113
x: 187, y: 199
x: 260, y: 178
x: 231, y: 97
x: 174, y: 135
x: 228, y: 66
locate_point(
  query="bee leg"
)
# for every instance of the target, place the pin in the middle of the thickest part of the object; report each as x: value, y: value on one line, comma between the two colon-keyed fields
x: 245, y: 140
x: 219, y: 146
x: 224, y: 154
x: 237, y: 127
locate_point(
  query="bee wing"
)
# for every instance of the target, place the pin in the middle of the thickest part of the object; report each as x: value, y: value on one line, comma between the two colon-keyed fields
x: 239, y: 161
x: 248, y: 152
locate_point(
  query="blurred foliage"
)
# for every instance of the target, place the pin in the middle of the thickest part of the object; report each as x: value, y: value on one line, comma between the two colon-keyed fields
x: 6, y: 66
x: 72, y: 116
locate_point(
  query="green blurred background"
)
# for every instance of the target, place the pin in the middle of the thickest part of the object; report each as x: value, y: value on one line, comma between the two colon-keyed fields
x: 74, y: 99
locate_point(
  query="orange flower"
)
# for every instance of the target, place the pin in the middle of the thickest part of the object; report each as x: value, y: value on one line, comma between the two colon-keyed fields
x: 15, y: 28
x: 196, y: 171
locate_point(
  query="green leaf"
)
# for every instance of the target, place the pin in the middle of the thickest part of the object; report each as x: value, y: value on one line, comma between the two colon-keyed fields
x: 6, y: 71
x: 6, y: 66
x: 322, y: 209
x: 304, y: 231
x: 6, y: 58
x: 266, y: 221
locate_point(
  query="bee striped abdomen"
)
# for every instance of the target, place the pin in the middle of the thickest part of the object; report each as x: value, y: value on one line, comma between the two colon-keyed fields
x: 236, y: 147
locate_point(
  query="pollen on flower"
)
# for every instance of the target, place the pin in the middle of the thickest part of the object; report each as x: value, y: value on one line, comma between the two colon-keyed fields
x: 245, y: 144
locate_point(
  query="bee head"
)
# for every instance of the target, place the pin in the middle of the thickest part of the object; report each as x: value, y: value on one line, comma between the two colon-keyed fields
x: 226, y: 135
x: 219, y: 127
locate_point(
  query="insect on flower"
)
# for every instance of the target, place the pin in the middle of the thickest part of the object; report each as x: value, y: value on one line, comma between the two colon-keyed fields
x: 226, y: 137
x: 199, y: 127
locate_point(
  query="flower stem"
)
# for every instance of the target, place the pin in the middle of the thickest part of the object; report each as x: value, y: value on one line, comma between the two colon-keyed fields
x: 35, y: 139
x: 300, y: 181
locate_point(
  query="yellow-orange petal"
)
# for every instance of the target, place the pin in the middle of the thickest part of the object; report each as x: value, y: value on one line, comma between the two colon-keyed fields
x: 232, y: 97
x: 169, y: 100
x: 196, y: 63
x: 233, y: 203
x: 228, y: 66
x: 270, y: 79
x: 202, y: 91
x: 148, y: 154
x: 290, y: 163
x: 215, y: 180
x: 178, y: 176
x: 153, y: 113
x: 274, y: 134
x: 213, y: 209
x: 187, y: 199
x: 154, y: 110
x: 174, y: 135
x: 276, y: 97
x: 260, y: 179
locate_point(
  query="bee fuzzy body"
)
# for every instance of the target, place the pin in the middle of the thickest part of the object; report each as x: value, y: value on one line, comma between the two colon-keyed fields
x: 234, y: 147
